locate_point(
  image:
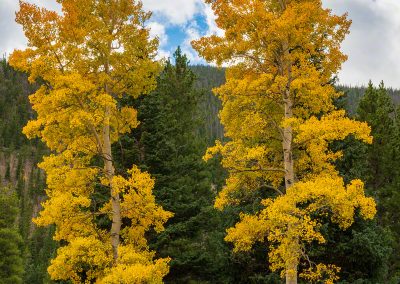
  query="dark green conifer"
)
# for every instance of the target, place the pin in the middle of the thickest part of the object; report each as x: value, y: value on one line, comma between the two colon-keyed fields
x: 11, y: 243
x: 171, y: 148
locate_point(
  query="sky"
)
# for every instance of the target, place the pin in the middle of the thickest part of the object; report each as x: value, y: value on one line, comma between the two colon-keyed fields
x: 373, y: 45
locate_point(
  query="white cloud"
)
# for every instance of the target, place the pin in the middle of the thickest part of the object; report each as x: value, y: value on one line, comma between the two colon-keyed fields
x: 51, y: 5
x: 158, y: 30
x: 373, y: 45
x: 182, y: 13
x: 11, y: 33
x: 210, y: 19
x: 175, y: 12
x: 192, y: 32
x: 163, y: 54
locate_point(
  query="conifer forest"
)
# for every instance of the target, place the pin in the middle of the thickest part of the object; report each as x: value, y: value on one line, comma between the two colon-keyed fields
x: 118, y: 166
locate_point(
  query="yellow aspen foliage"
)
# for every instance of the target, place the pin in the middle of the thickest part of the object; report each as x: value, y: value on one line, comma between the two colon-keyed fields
x: 279, y: 118
x: 86, y: 59
x: 300, y: 209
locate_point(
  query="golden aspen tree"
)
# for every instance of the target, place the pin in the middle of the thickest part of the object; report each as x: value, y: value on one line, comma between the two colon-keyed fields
x: 279, y: 118
x: 86, y: 59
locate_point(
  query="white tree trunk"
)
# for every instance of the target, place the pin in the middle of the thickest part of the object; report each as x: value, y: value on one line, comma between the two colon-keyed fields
x: 115, y: 198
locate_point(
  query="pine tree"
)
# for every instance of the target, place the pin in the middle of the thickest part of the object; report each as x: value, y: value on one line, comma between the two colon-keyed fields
x: 14, y: 106
x: 169, y: 145
x: 381, y: 161
x: 376, y: 108
x: 363, y: 250
x: 11, y: 243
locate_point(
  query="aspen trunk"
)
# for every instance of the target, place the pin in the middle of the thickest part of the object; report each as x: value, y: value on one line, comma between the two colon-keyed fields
x: 115, y: 199
x: 291, y: 268
x: 110, y: 172
x: 291, y: 278
x: 287, y: 143
x: 292, y: 261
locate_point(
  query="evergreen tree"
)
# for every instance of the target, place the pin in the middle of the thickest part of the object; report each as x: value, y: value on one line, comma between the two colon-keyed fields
x: 14, y: 106
x: 376, y: 108
x: 11, y: 244
x: 382, y: 162
x: 368, y: 249
x: 170, y: 146
x: 15, y: 111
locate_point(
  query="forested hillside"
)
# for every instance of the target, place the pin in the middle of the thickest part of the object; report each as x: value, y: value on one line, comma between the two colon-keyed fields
x: 355, y: 94
x: 119, y: 167
x: 21, y: 179
x: 170, y: 146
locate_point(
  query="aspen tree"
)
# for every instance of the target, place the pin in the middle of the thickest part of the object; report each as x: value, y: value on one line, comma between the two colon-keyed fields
x: 279, y: 118
x: 86, y: 59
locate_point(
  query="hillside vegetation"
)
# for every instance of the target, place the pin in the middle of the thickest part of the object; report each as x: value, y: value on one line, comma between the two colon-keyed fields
x: 170, y: 146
